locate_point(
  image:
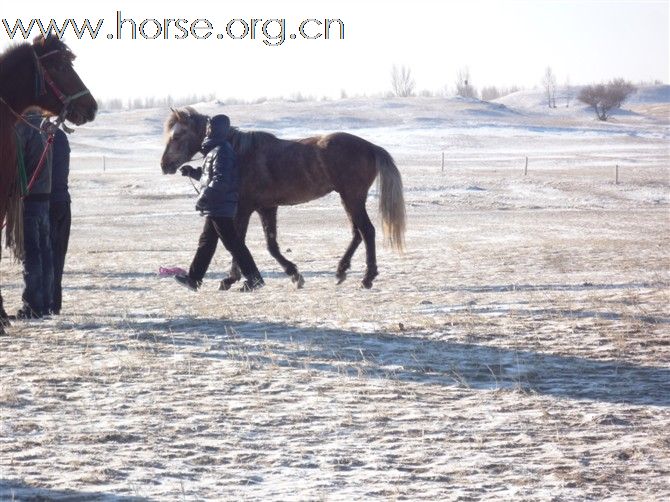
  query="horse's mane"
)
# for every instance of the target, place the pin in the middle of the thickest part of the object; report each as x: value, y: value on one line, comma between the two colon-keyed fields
x: 52, y: 43
x: 19, y: 52
x: 241, y: 141
x: 13, y: 56
x: 179, y: 114
x: 244, y: 141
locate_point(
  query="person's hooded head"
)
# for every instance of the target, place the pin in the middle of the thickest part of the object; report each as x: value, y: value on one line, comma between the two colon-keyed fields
x: 217, y: 132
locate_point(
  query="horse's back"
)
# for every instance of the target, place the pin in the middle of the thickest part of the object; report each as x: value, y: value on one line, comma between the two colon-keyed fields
x: 286, y: 172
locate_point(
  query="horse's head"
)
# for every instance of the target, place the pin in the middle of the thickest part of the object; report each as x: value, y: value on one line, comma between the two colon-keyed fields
x: 185, y: 129
x: 63, y: 93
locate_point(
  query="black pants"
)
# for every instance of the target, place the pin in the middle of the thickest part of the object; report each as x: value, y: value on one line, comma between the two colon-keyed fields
x: 222, y: 228
x: 60, y: 221
x: 38, y: 273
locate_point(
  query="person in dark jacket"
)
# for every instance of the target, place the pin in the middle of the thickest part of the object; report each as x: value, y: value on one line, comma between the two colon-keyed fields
x: 60, y: 218
x: 220, y: 181
x: 37, y: 261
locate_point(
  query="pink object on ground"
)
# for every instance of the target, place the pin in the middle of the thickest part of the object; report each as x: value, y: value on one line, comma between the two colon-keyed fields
x: 168, y: 272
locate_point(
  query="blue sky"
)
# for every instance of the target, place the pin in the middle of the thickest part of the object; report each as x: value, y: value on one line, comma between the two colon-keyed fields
x: 501, y: 42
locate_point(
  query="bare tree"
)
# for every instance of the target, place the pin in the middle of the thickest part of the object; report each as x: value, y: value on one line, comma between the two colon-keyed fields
x: 490, y: 93
x: 464, y: 87
x: 568, y: 91
x: 402, y: 82
x: 549, y: 84
x: 604, y: 97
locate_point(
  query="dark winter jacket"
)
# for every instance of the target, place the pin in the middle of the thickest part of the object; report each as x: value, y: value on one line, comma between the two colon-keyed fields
x: 32, y: 142
x: 220, y: 179
x: 60, y: 169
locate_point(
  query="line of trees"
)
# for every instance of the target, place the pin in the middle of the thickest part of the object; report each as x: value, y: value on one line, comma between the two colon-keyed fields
x: 403, y: 85
x: 153, y: 102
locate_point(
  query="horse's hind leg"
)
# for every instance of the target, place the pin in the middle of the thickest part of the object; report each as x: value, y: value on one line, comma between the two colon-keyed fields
x: 361, y: 221
x: 345, y: 261
x: 4, y: 318
x: 235, y: 274
x: 269, y: 220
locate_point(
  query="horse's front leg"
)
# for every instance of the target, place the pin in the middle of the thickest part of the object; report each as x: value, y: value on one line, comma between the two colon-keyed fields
x: 269, y: 221
x: 235, y: 274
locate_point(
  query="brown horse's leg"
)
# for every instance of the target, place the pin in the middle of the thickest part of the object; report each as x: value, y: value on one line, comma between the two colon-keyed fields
x: 235, y: 274
x: 345, y: 261
x: 4, y: 318
x: 269, y: 220
x: 361, y: 220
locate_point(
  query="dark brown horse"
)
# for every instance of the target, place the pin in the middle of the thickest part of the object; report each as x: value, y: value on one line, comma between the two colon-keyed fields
x: 277, y: 172
x: 38, y: 74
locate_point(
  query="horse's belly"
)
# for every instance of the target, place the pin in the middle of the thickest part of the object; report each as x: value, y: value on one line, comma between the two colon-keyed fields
x: 296, y: 196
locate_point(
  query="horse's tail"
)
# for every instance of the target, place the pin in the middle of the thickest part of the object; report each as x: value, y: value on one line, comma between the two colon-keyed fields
x: 391, y: 199
x: 14, y: 231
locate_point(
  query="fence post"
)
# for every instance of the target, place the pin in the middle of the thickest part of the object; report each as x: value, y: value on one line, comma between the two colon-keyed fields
x: 104, y: 164
x: 616, y: 175
x: 525, y: 169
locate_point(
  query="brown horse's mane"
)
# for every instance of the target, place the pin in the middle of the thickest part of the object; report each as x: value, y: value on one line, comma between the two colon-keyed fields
x: 245, y: 141
x: 19, y: 52
x: 178, y: 115
x: 12, y: 56
x: 241, y: 141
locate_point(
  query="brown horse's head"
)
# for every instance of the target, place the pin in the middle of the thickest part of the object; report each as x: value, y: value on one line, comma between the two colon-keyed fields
x: 63, y: 91
x: 185, y: 129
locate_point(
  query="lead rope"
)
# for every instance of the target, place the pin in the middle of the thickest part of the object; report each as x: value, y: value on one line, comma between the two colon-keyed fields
x: 40, y: 164
x: 22, y: 167
x: 191, y: 179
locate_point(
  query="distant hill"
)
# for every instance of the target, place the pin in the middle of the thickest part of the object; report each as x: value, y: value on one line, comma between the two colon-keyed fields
x: 536, y: 100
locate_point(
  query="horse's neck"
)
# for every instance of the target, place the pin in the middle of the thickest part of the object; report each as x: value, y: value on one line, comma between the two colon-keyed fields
x: 202, y: 127
x: 17, y: 85
x: 17, y: 81
x: 7, y: 138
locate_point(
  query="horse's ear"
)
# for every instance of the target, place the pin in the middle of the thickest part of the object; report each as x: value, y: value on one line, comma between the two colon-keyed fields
x: 39, y: 40
x: 177, y: 113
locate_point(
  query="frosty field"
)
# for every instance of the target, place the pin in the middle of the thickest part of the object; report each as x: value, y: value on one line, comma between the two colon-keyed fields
x: 519, y: 349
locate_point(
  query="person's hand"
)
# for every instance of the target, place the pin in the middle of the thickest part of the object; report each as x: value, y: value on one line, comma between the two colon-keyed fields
x: 203, y: 202
x: 187, y: 171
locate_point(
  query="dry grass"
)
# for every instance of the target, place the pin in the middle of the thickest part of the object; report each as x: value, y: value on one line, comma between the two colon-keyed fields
x: 519, y: 353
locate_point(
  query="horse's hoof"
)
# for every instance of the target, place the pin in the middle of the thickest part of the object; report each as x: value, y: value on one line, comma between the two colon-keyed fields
x: 225, y: 285
x: 341, y: 277
x: 366, y: 283
x: 298, y: 280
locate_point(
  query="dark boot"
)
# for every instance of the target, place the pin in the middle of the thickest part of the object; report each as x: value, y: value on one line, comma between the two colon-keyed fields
x: 4, y: 318
x: 252, y: 284
x: 28, y: 313
x: 187, y: 282
x: 3, y: 314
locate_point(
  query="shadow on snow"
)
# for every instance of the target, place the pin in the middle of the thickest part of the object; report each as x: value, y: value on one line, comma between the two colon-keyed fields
x: 409, y: 357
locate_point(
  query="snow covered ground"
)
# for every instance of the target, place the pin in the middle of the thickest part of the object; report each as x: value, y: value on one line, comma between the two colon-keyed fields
x: 519, y: 349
